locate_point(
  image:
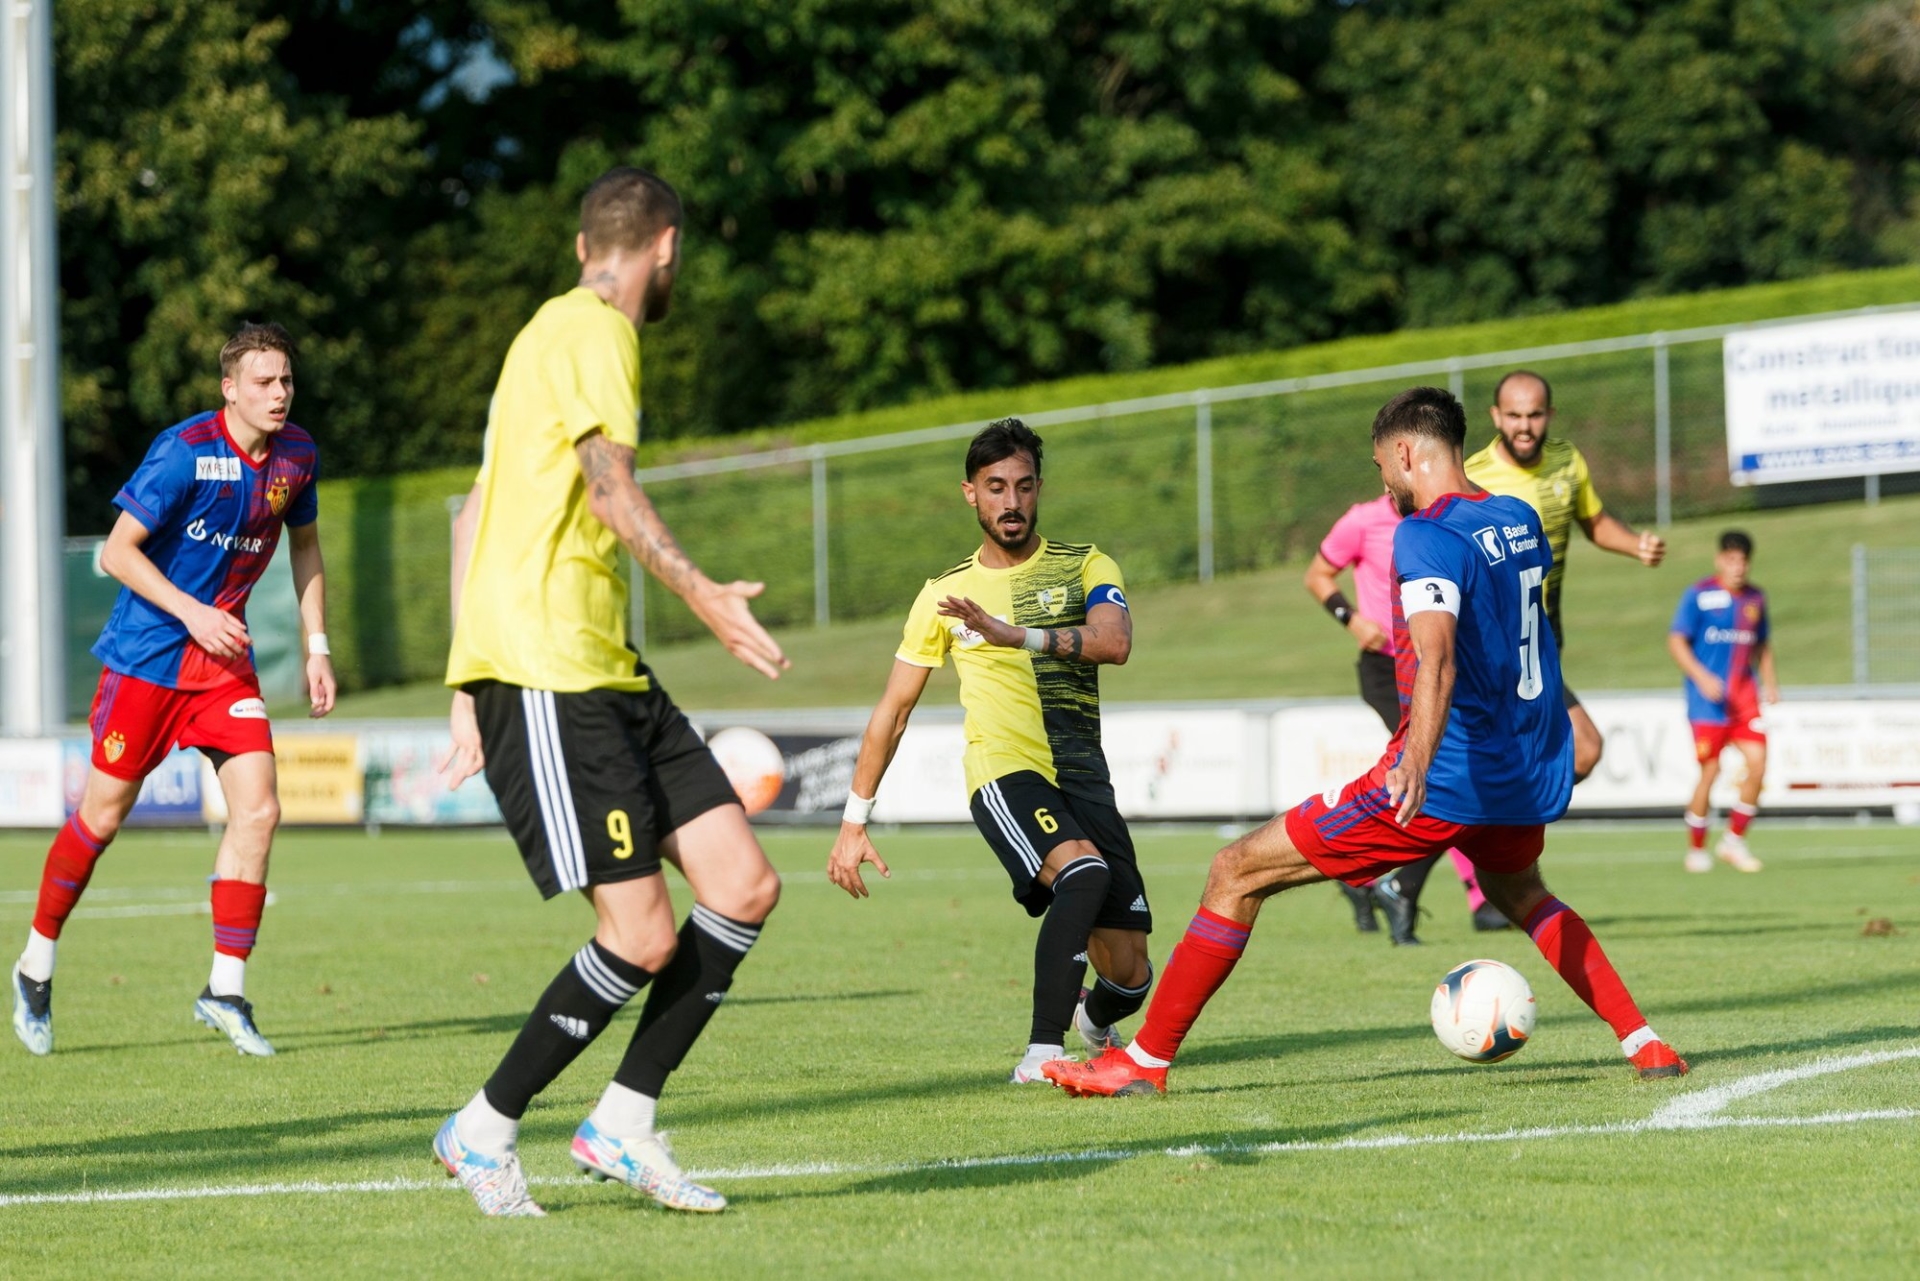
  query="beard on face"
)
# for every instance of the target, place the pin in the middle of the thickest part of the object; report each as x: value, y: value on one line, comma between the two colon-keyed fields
x: 1527, y: 458
x: 659, y: 294
x: 1402, y: 500
x: 1006, y: 541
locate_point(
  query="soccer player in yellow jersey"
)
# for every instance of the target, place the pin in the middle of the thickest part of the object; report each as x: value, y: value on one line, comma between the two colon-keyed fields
x: 1027, y: 622
x: 1524, y: 462
x: 598, y: 775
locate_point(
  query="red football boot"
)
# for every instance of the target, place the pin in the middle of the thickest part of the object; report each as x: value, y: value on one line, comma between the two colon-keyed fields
x: 1113, y: 1073
x: 1657, y: 1059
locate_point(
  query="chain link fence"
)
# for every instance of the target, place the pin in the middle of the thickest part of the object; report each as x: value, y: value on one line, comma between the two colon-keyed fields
x: 1181, y: 487
x: 1886, y: 615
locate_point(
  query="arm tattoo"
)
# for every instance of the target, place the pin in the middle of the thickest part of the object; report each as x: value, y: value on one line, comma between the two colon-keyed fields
x: 623, y: 505
x: 1065, y: 643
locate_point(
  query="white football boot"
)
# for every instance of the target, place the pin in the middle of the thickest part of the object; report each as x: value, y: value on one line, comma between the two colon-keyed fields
x: 1732, y: 850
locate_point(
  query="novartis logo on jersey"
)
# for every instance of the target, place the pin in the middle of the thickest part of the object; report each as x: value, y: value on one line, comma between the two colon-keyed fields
x: 199, y: 533
x: 1731, y: 636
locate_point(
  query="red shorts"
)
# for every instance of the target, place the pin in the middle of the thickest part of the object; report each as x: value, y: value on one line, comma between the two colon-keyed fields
x: 1742, y: 726
x: 136, y: 723
x: 1351, y: 835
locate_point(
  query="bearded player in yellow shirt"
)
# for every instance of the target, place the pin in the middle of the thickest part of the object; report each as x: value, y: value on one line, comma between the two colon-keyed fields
x: 1524, y: 462
x: 1027, y: 621
x: 599, y: 776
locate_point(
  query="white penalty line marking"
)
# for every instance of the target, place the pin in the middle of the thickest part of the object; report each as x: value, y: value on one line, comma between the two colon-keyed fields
x: 1690, y: 1112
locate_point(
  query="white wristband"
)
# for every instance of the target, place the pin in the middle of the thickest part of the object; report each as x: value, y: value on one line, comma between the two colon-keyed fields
x: 859, y: 810
x: 317, y: 644
x: 1035, y: 640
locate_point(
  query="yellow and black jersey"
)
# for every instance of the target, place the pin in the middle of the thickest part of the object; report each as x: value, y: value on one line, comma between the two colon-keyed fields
x: 1558, y: 486
x: 1024, y: 711
x: 544, y: 604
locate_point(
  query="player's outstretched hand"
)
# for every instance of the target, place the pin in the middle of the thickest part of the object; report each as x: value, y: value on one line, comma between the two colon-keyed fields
x: 1406, y: 791
x: 465, y: 758
x: 1652, y: 549
x: 850, y: 849
x: 723, y: 608
x: 217, y: 631
x: 321, y: 687
x: 979, y: 620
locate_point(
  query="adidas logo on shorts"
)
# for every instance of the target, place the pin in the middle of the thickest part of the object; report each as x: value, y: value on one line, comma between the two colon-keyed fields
x: 716, y: 997
x: 1139, y: 903
x: 575, y: 1028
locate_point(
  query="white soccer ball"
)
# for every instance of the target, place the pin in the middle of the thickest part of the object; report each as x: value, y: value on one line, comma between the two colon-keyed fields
x: 753, y: 764
x: 1483, y: 1011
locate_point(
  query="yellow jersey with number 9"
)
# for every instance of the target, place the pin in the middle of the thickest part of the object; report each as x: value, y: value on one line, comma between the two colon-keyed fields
x: 1024, y: 711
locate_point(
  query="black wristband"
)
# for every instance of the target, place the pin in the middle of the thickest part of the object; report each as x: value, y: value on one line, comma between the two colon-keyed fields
x: 1337, y: 605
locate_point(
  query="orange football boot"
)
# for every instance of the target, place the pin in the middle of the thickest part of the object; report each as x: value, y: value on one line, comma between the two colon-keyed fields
x: 1658, y: 1059
x: 1112, y: 1073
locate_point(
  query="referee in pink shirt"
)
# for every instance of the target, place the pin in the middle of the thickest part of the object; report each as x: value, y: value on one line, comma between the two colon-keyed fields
x: 1362, y: 540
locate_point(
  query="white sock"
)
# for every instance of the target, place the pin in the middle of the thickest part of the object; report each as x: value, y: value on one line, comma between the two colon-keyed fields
x: 1038, y: 1053
x: 36, y: 963
x: 1634, y: 1042
x: 484, y: 1129
x: 1144, y: 1059
x: 624, y: 1113
x: 229, y: 977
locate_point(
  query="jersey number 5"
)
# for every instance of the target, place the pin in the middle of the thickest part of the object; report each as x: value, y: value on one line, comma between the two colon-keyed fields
x: 1530, y: 683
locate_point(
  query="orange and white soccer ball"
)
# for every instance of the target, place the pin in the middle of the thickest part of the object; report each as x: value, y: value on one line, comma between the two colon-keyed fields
x: 753, y: 765
x: 1483, y: 1011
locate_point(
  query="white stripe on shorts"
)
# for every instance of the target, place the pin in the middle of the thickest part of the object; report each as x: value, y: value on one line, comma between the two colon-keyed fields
x: 550, y: 786
x: 606, y: 985
x: 728, y: 934
x: 997, y: 806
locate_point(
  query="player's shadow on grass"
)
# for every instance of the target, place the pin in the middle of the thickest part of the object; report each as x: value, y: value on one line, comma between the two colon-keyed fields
x: 1885, y: 1037
x: 1279, y: 1044
x: 1238, y: 1147
x: 1719, y: 1000
x: 884, y: 994
x: 223, y: 1152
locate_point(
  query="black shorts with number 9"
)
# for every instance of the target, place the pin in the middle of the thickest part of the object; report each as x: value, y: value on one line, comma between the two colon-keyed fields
x: 1024, y: 817
x: 590, y: 782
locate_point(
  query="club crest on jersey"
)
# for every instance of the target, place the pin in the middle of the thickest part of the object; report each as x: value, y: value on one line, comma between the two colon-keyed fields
x: 1488, y: 541
x: 113, y: 746
x: 1052, y: 599
x: 278, y: 492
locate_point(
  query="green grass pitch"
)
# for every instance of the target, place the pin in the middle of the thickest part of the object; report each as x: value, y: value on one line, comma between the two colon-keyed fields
x: 1314, y: 1125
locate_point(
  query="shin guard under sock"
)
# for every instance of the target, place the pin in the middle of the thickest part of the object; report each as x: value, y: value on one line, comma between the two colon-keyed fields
x: 1201, y: 962
x: 1079, y: 892
x: 686, y: 995
x: 575, y: 1008
x: 64, y: 878
x: 1569, y: 946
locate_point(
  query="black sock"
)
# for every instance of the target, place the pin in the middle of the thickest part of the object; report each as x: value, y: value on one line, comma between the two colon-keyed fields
x: 690, y: 989
x: 1411, y: 878
x: 1079, y: 892
x: 575, y: 1008
x: 1108, y: 1003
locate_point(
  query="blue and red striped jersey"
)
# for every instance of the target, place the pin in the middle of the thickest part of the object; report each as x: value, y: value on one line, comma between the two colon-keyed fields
x: 213, y: 518
x: 1724, y: 629
x: 1507, y: 754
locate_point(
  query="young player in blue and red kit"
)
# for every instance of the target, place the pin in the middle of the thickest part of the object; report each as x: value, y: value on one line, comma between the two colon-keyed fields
x: 198, y: 523
x: 1482, y: 761
x: 1719, y: 642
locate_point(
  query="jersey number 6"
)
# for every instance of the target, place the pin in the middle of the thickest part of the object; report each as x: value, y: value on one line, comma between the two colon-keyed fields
x: 1048, y: 823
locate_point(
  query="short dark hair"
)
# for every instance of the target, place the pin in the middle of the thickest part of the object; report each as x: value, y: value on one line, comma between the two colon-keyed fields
x: 1002, y: 439
x: 626, y: 208
x: 1737, y: 540
x: 1422, y: 411
x: 254, y: 336
x: 1545, y: 386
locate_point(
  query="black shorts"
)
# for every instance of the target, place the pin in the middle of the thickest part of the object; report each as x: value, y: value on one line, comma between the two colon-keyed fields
x: 590, y: 783
x: 1023, y: 817
x: 1380, y: 687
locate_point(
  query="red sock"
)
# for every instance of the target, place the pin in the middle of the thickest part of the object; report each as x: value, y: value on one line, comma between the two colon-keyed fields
x: 64, y: 879
x: 236, y: 916
x: 1697, y: 831
x: 1206, y: 954
x: 1739, y: 817
x: 1569, y: 946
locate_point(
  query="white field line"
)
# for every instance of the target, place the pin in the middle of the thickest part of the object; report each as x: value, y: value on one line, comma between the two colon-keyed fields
x: 1696, y: 1111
